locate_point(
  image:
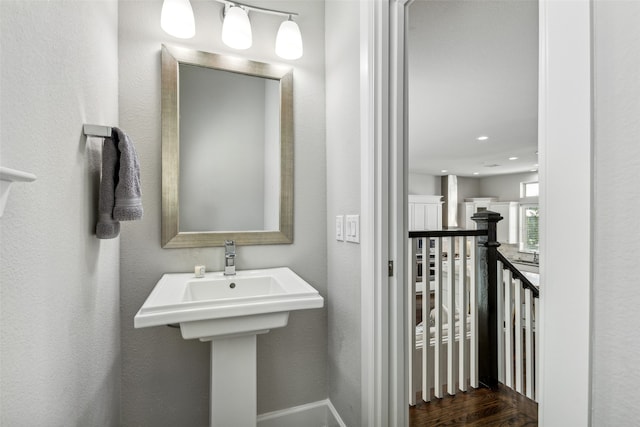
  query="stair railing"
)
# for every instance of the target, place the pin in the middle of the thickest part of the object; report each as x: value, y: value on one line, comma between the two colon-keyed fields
x: 461, y: 348
x: 518, y: 309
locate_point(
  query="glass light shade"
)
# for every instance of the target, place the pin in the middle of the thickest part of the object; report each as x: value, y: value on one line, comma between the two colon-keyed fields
x: 289, y: 41
x: 177, y: 20
x: 236, y: 29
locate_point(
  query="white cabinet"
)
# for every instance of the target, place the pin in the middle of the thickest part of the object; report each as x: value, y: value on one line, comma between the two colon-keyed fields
x: 507, y: 231
x: 473, y: 205
x: 425, y: 212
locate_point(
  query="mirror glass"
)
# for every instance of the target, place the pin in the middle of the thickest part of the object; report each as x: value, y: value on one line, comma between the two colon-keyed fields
x: 227, y: 150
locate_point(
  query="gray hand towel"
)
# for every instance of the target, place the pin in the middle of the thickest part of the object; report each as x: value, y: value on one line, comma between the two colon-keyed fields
x: 128, y: 203
x: 107, y: 228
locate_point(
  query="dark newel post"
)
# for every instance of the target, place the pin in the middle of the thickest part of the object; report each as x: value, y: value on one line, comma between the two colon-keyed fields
x: 487, y: 298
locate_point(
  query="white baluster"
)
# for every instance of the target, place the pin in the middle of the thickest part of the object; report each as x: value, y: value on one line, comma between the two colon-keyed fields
x: 508, y: 326
x: 518, y: 330
x: 529, y: 358
x: 463, y: 358
x: 473, y: 305
x: 536, y: 331
x: 437, y: 354
x: 411, y: 304
x: 426, y: 336
x: 451, y: 324
x: 501, y: 356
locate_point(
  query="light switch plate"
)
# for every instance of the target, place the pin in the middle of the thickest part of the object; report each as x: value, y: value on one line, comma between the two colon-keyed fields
x: 340, y: 228
x: 352, y: 232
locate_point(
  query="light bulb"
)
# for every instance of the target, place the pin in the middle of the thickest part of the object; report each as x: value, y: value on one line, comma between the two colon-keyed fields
x: 236, y: 28
x: 289, y: 40
x: 177, y: 20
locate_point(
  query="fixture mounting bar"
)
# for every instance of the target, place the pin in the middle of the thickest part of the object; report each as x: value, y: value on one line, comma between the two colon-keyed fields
x: 97, y: 130
x: 257, y: 8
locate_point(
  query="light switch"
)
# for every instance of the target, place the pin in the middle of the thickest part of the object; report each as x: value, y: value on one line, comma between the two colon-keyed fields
x: 340, y: 228
x: 353, y: 229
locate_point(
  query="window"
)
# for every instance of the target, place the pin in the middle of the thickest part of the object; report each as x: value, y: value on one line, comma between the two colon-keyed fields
x: 529, y: 216
x: 529, y: 189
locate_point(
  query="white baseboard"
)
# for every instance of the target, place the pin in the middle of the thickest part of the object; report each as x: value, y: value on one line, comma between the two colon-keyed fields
x: 315, y: 414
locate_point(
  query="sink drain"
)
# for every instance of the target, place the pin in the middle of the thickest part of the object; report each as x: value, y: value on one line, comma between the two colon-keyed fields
x: 232, y: 285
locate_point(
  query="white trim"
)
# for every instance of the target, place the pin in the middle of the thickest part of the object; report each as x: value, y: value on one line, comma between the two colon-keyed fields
x: 398, y: 218
x: 367, y: 228
x: 565, y: 203
x: 565, y: 229
x: 374, y: 38
x: 321, y: 413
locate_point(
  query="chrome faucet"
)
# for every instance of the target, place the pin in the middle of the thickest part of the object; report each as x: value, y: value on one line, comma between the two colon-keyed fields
x: 229, y: 258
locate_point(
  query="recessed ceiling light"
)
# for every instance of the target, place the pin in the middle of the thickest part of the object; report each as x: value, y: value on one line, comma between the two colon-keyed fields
x: 476, y: 173
x: 444, y: 171
x: 513, y: 158
x: 482, y: 138
x: 533, y: 170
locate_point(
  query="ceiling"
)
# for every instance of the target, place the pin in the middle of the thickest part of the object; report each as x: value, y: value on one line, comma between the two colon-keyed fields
x: 473, y: 71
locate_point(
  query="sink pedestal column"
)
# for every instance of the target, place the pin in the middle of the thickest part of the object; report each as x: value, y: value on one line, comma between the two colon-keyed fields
x: 233, y: 381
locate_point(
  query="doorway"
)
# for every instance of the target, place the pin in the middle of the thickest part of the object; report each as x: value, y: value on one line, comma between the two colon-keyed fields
x: 564, y: 132
x: 472, y: 89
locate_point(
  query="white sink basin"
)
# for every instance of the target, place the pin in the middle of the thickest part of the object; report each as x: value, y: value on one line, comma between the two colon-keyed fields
x: 218, y: 305
x: 229, y: 311
x: 225, y: 288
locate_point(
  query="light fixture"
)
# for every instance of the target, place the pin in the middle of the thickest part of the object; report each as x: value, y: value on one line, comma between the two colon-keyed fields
x: 476, y: 173
x: 444, y: 171
x: 482, y: 138
x: 236, y: 28
x: 513, y: 158
x: 176, y: 19
x: 289, y: 40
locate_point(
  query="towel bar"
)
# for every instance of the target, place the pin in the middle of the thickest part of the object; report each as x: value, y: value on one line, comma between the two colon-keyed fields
x: 97, y: 130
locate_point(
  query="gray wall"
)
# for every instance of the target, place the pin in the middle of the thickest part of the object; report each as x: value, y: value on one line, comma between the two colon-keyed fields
x: 59, y: 290
x: 165, y: 379
x: 423, y: 183
x: 467, y: 187
x: 615, y: 293
x: 505, y: 187
x: 343, y: 198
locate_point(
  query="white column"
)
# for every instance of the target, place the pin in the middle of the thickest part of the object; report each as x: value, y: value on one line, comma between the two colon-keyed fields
x: 233, y: 382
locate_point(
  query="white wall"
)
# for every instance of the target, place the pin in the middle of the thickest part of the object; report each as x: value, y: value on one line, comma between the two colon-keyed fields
x: 616, y: 296
x: 565, y: 157
x: 165, y: 379
x: 422, y: 183
x: 343, y: 197
x: 59, y: 290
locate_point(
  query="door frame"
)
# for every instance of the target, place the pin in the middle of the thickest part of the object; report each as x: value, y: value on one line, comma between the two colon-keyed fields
x: 374, y: 221
x: 565, y: 158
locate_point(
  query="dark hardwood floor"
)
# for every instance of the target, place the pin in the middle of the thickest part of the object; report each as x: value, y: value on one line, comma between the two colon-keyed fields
x: 477, y: 407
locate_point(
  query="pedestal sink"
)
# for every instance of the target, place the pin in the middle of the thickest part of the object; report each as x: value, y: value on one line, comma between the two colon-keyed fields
x: 229, y: 311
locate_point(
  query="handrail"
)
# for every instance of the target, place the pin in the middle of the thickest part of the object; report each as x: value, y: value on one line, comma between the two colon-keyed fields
x: 446, y: 233
x: 518, y: 274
